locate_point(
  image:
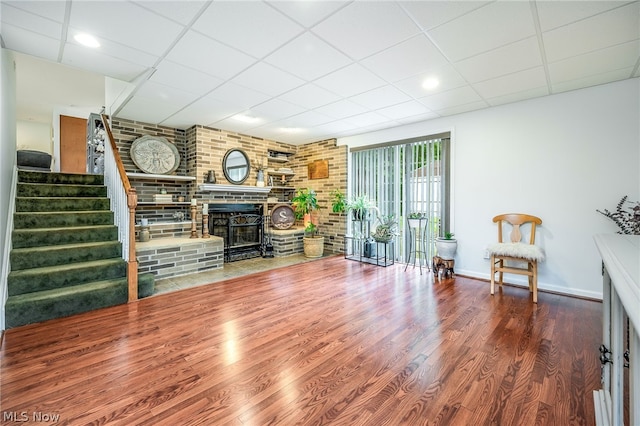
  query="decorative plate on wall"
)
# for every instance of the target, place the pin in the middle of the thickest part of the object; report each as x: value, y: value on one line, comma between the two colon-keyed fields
x: 155, y: 154
x: 282, y: 216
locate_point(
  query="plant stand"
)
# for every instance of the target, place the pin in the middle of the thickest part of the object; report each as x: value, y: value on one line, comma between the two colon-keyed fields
x: 382, y: 255
x: 417, y: 242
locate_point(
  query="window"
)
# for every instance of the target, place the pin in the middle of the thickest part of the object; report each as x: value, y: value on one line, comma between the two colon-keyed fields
x: 404, y: 177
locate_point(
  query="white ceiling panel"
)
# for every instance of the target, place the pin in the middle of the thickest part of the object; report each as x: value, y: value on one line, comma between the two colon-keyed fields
x: 268, y: 79
x: 182, y: 12
x: 601, y: 61
x: 500, y: 23
x: 310, y: 96
x: 417, y: 55
x: 607, y: 29
x: 313, y: 65
x: 125, y: 23
x: 199, y: 52
x: 250, y: 26
x: 554, y: 14
x: 381, y: 97
x: 176, y: 75
x: 308, y: 13
x: 513, y: 57
x: 525, y: 80
x: 350, y: 81
x: 460, y: 96
x: 432, y: 14
x: 364, y: 28
x: 308, y: 57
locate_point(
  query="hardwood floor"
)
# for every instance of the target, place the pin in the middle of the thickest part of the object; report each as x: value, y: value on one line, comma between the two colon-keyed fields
x: 326, y: 342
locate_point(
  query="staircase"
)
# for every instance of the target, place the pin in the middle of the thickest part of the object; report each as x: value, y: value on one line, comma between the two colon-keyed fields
x: 65, y: 257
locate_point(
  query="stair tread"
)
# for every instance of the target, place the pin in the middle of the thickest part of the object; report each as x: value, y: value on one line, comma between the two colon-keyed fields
x: 66, y: 228
x: 66, y: 291
x: 64, y: 246
x: 67, y: 267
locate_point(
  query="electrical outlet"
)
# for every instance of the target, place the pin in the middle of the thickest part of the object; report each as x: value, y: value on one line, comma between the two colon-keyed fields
x: 486, y: 254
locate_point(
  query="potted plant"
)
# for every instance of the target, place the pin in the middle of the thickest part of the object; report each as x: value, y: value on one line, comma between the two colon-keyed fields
x: 313, y: 243
x: 304, y: 203
x: 415, y: 219
x: 627, y: 220
x: 360, y: 207
x: 446, y: 246
x: 339, y: 202
x: 386, y: 230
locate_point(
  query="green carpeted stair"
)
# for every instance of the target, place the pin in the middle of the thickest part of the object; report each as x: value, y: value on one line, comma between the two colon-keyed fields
x: 65, y: 257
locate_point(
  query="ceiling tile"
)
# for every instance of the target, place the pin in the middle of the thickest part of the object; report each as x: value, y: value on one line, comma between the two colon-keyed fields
x: 417, y: 55
x: 553, y: 14
x: 350, y: 81
x: 512, y: 83
x: 513, y: 57
x: 460, y: 96
x: 209, y: 56
x: 364, y: 28
x: 310, y: 96
x: 276, y: 109
x: 404, y: 110
x: 32, y: 21
x: 430, y: 14
x: 367, y: 119
x: 500, y: 23
x: 93, y: 60
x: 416, y: 118
x: 250, y: 26
x: 622, y: 56
x: 459, y: 109
x: 308, y: 13
x: 125, y: 23
x: 592, y: 80
x: 268, y: 79
x: 308, y: 57
x: 30, y: 43
x: 621, y: 25
x: 205, y: 110
x: 341, y: 109
x: 448, y: 77
x: 381, y: 97
x: 154, y: 102
x: 307, y: 119
x: 175, y: 75
x: 518, y: 96
x: 180, y: 11
x: 238, y: 95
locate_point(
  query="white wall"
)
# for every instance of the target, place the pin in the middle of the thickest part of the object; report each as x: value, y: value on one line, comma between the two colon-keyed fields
x: 7, y: 162
x: 33, y: 135
x: 559, y: 157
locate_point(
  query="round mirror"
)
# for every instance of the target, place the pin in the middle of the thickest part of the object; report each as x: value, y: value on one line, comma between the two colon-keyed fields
x: 235, y: 166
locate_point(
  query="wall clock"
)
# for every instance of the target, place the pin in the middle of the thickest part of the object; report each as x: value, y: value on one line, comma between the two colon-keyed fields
x: 155, y: 154
x: 282, y: 216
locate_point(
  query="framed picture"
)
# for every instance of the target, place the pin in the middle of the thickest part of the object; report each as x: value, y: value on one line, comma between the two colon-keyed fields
x: 318, y: 169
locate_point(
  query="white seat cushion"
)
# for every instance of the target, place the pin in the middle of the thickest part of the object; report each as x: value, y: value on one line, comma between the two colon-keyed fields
x: 521, y: 250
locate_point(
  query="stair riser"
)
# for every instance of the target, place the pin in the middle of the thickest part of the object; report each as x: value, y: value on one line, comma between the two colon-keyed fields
x: 21, y: 312
x: 23, y: 238
x: 32, y: 220
x: 60, y: 204
x: 26, y: 258
x: 56, y: 178
x: 31, y: 280
x: 46, y: 190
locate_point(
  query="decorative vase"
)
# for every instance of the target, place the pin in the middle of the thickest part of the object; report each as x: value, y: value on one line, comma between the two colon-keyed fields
x: 260, y: 180
x: 145, y: 235
x: 446, y: 248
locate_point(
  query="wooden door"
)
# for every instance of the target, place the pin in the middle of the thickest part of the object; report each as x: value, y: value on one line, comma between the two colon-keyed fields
x: 73, y: 144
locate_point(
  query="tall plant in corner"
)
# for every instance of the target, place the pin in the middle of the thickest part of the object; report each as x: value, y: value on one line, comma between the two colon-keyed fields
x: 304, y: 203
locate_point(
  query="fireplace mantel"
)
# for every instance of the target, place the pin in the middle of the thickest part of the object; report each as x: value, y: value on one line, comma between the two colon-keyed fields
x: 213, y: 187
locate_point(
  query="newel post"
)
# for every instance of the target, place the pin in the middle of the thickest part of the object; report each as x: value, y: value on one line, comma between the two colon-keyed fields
x: 132, y: 263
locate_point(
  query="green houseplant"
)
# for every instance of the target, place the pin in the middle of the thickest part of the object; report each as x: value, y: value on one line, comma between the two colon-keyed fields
x: 339, y: 202
x: 304, y: 203
x: 387, y: 229
x: 360, y: 207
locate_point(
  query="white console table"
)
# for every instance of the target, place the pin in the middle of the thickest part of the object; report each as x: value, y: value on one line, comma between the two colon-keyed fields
x: 620, y: 296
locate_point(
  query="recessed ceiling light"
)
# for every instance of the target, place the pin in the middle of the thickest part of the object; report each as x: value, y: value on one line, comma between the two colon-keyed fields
x: 86, y: 40
x: 246, y: 118
x: 430, y: 83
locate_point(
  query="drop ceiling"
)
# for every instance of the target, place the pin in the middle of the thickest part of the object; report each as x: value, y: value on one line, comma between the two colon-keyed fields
x: 303, y: 71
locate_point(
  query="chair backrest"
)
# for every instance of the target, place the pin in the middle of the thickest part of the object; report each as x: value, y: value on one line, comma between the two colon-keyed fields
x: 515, y: 220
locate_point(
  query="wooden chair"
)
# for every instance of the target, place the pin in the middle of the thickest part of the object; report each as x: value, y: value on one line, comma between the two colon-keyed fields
x: 516, y: 250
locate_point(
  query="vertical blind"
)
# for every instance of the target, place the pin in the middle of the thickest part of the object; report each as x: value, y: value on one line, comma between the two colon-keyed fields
x: 406, y: 177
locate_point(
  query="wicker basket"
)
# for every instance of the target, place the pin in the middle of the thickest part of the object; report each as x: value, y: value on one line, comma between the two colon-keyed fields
x: 313, y: 246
